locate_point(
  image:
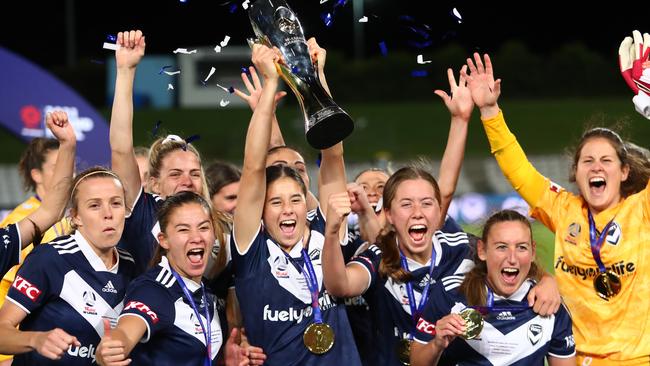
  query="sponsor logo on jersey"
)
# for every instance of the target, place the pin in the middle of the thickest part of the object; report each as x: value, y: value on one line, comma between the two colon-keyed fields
x: 554, y: 187
x: 505, y: 315
x: 534, y: 333
x: 26, y: 288
x: 109, y: 288
x: 143, y: 309
x: 83, y: 351
x: 288, y: 315
x: 621, y: 268
x: 573, y: 233
x: 426, y: 327
x: 89, y: 302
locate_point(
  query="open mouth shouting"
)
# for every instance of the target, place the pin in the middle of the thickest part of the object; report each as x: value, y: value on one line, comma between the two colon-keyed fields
x: 597, y: 185
x: 288, y: 227
x: 196, y: 255
x: 509, y: 275
x: 417, y: 232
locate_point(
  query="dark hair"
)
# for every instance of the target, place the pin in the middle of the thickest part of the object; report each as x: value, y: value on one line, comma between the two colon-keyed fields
x: 379, y: 170
x: 91, y: 173
x: 163, y: 147
x: 473, y: 286
x: 275, y: 149
x: 390, y: 260
x: 219, y: 174
x: 275, y: 172
x: 168, y: 207
x: 33, y: 158
x: 639, y: 171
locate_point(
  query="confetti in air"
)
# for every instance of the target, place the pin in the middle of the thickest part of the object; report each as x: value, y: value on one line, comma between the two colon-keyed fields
x: 212, y: 70
x: 245, y: 4
x: 421, y: 60
x: 224, y: 103
x: 184, y: 51
x: 419, y: 73
x: 170, y: 73
x: 383, y: 48
x: 363, y: 20
x: 111, y: 38
x: 162, y: 69
x: 456, y: 14
x: 327, y: 18
x: 225, y: 41
x: 224, y: 88
x: 110, y: 46
x: 170, y: 87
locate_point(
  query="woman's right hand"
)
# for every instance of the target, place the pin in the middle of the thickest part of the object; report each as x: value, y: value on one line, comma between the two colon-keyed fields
x: 485, y: 90
x: 447, y: 329
x: 54, y: 344
x: 254, y: 89
x: 111, y: 352
x: 266, y: 61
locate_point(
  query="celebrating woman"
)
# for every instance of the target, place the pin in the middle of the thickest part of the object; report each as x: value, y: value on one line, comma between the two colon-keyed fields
x: 465, y: 325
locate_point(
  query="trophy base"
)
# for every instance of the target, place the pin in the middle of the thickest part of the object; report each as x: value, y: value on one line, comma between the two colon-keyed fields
x: 330, y: 130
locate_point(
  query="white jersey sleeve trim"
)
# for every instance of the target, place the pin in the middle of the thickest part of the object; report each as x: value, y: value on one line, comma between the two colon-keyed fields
x: 18, y: 304
x: 250, y: 244
x: 561, y: 356
x: 147, y: 334
x: 137, y: 198
x: 419, y: 341
x: 367, y: 271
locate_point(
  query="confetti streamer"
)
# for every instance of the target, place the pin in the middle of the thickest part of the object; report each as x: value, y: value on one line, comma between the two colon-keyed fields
x: 110, y: 46
x: 363, y: 19
x: 212, y: 70
x: 184, y: 51
x: 170, y: 87
x: 224, y: 103
x: 421, y: 60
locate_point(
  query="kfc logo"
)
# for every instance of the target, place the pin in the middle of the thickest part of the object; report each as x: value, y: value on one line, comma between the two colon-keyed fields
x: 142, y: 308
x: 26, y: 288
x: 426, y: 327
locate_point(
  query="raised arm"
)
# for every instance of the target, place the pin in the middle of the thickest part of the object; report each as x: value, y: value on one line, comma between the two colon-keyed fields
x: 252, y: 187
x: 369, y: 224
x: 54, y: 203
x: 460, y: 106
x: 524, y: 178
x: 127, y: 56
x: 340, y: 280
x: 255, y: 91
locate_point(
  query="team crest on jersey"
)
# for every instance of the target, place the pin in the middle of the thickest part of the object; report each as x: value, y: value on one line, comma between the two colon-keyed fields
x: 534, y: 333
x: 280, y: 265
x: 573, y: 233
x: 89, y: 302
x: 614, y: 234
x: 314, y: 255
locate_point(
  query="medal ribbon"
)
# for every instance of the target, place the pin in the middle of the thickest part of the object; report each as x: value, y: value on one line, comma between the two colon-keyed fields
x: 596, y: 241
x: 415, y: 311
x: 312, y: 282
x: 484, y: 310
x: 188, y: 295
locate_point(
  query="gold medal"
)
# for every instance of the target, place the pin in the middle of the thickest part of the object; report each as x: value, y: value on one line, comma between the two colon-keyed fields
x: 607, y: 284
x: 318, y: 338
x: 403, y: 350
x: 473, y: 323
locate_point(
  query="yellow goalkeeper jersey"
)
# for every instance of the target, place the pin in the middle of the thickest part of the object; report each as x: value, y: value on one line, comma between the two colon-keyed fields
x: 606, y: 332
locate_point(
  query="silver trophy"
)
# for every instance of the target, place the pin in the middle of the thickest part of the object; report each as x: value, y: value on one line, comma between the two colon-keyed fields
x: 275, y: 24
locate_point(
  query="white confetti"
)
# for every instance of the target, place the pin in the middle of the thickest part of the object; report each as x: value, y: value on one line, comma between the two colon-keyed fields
x: 217, y: 49
x: 184, y: 51
x: 422, y: 61
x: 224, y: 89
x: 170, y: 73
x: 323, y: 1
x: 457, y: 15
x: 170, y: 87
x: 224, y: 103
x: 245, y: 4
x: 110, y: 46
x: 225, y: 41
x: 212, y: 70
x: 363, y: 20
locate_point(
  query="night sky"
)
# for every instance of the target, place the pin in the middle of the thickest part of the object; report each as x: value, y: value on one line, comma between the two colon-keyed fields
x: 37, y: 30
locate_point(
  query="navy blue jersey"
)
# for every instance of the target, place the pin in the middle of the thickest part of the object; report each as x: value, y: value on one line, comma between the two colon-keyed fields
x: 509, y: 337
x: 174, y: 335
x: 388, y: 298
x: 276, y: 302
x: 9, y: 248
x: 66, y: 285
x: 141, y: 228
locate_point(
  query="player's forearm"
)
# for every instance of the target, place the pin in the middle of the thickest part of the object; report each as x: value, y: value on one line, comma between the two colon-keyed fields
x: 425, y: 354
x: 14, y: 341
x: 335, y: 277
x: 452, y: 161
